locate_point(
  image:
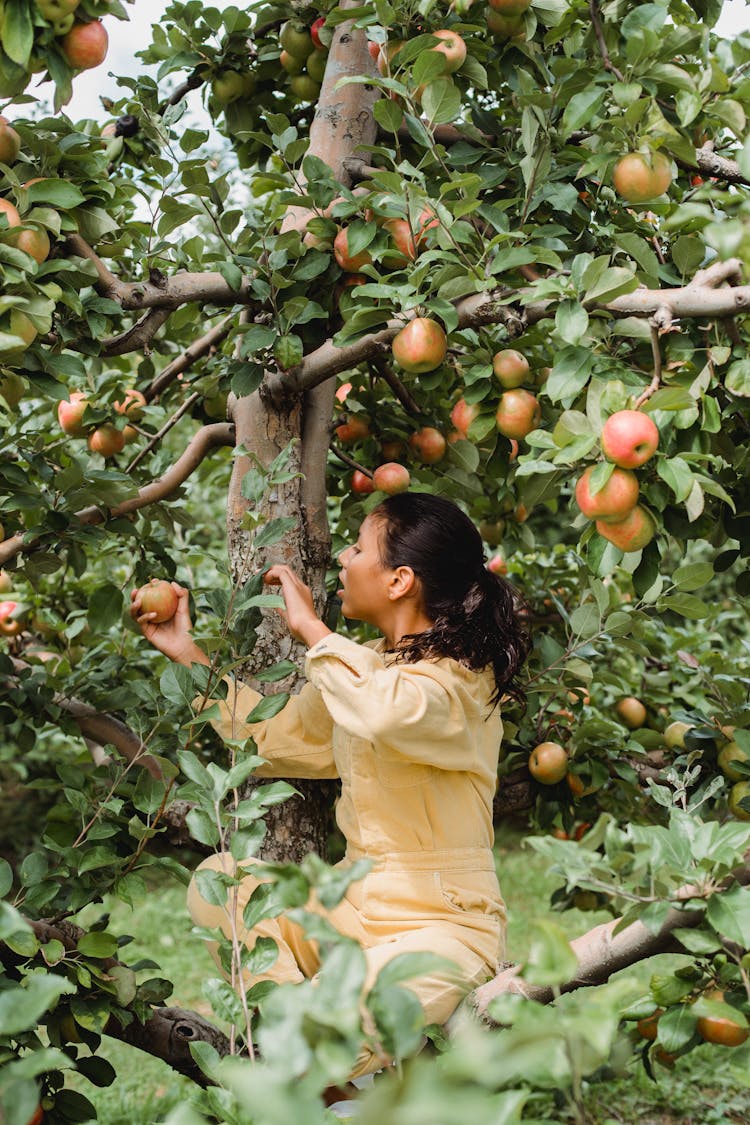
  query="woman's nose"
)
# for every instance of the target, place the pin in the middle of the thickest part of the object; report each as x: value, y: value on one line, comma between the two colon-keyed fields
x: 342, y: 555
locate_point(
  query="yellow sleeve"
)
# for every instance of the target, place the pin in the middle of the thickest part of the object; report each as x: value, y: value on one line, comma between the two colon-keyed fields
x: 423, y: 711
x: 297, y: 742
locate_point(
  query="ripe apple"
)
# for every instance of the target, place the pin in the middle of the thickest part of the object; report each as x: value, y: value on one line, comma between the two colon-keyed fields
x: 343, y: 391
x: 426, y: 220
x: 452, y: 47
x: 158, y: 597
x: 548, y: 763
x: 85, y: 45
x: 518, y: 413
x: 639, y: 177
x: 631, y: 712
x: 402, y: 237
x: 463, y: 414
x: 504, y: 26
x: 632, y: 533
x: 391, y: 478
x: 674, y: 734
x: 511, y: 368
x: 34, y: 242
x: 614, y: 501
x: 10, y: 212
x: 726, y: 759
x: 315, y: 30
x: 421, y: 346
x: 428, y: 444
x: 133, y: 405
x: 349, y: 263
x: 629, y: 438
x: 10, y: 142
x: 355, y: 428
x: 648, y: 1026
x: 9, y: 626
x: 497, y: 565
x: 361, y: 483
x: 393, y: 449
x: 70, y: 414
x: 21, y: 326
x: 107, y: 440
x: 383, y: 54
x: 296, y: 39
x: 722, y: 1030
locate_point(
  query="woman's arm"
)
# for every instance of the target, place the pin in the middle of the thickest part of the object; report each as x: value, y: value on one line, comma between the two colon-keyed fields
x: 297, y: 742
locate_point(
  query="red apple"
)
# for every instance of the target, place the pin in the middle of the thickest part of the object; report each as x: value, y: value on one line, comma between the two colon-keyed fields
x: 355, y: 428
x: 511, y: 368
x: 132, y: 405
x: 428, y: 444
x: 393, y: 449
x: 506, y: 26
x: 631, y: 711
x: 350, y: 263
x: 632, y: 533
x: 463, y: 414
x: 107, y: 440
x: 10, y: 212
x: 426, y: 220
x: 639, y: 177
x: 315, y: 33
x: 421, y: 346
x: 9, y: 627
x: 452, y: 47
x: 497, y: 565
x: 391, y: 478
x: 402, y: 236
x: 85, y: 45
x: 35, y: 243
x: 629, y: 438
x: 158, y: 597
x: 361, y: 483
x: 614, y: 501
x: 70, y: 414
x: 10, y: 142
x: 518, y: 413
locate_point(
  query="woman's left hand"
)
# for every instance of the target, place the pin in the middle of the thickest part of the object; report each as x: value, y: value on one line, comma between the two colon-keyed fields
x: 300, y: 615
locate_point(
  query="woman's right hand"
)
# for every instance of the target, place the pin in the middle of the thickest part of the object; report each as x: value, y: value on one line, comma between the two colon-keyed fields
x: 174, y: 637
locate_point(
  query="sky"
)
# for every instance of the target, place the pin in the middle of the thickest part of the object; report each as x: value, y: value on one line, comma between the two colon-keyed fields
x: 127, y: 38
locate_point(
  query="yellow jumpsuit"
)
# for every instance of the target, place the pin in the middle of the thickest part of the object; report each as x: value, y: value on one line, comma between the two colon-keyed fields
x: 416, y: 748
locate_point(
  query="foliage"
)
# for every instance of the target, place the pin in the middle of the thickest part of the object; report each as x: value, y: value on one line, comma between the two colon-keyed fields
x: 169, y: 236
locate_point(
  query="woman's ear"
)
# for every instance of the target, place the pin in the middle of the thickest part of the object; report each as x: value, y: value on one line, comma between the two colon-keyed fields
x: 403, y: 583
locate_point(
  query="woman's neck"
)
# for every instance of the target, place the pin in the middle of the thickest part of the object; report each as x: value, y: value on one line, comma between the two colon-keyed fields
x: 405, y: 621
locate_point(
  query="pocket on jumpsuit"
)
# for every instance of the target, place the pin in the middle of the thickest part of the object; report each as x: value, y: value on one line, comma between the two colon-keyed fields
x: 401, y: 897
x: 471, y: 892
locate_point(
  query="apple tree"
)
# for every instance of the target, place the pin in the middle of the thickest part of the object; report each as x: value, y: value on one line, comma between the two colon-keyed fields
x: 494, y: 253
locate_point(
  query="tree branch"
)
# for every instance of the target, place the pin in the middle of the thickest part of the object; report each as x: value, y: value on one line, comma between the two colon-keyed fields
x: 208, y: 438
x: 404, y: 396
x: 599, y: 33
x: 194, y: 352
x: 347, y: 460
x: 138, y: 336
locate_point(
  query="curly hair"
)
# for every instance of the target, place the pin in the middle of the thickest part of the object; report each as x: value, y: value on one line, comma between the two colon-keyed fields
x: 478, y: 617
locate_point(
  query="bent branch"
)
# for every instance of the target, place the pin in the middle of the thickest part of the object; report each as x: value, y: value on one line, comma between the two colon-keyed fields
x: 210, y: 437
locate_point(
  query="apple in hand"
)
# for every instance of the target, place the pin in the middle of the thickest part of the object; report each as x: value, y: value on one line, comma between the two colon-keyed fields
x: 158, y: 597
x: 614, y: 501
x: 391, y: 478
x: 629, y: 438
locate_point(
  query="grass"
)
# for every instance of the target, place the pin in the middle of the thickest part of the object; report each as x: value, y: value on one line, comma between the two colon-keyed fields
x: 711, y: 1086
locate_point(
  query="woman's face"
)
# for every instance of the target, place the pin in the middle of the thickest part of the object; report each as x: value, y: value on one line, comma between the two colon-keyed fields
x: 364, y: 579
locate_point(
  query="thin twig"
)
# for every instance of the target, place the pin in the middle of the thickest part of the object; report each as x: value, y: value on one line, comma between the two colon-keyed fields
x: 164, y: 430
x: 195, y: 351
x: 347, y: 460
x: 404, y: 396
x: 599, y: 32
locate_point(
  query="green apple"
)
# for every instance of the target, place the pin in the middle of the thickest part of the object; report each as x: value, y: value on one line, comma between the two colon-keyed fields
x: 316, y: 65
x: 304, y: 87
x: 55, y: 10
x: 290, y: 63
x: 674, y: 734
x: 227, y: 86
x: 727, y: 756
x: 739, y: 792
x: 296, y: 39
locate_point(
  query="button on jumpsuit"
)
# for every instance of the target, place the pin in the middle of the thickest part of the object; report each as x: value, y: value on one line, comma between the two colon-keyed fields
x: 416, y: 748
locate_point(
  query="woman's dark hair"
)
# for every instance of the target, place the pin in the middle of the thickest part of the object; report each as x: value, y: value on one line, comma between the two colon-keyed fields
x: 477, y: 615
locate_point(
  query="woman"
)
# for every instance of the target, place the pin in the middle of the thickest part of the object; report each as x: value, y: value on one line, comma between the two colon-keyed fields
x: 411, y: 725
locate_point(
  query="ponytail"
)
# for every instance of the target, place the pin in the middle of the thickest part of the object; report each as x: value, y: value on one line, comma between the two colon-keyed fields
x: 478, y: 617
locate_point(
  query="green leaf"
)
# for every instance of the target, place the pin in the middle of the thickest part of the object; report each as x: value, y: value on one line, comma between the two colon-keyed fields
x: 177, y: 686
x: 687, y: 605
x: 441, y: 101
x: 551, y: 959
x: 729, y: 914
x: 612, y: 282
x: 6, y: 877
x: 738, y: 378
x: 288, y: 351
x: 678, y: 475
x: 581, y: 110
x: 97, y: 944
x: 388, y: 114
x: 688, y: 252
x: 570, y: 374
x: 670, y: 398
x: 22, y: 1008
x: 693, y: 576
x: 105, y: 606
x: 17, y: 31
x: 676, y: 1027
x: 269, y: 706
x: 58, y: 193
